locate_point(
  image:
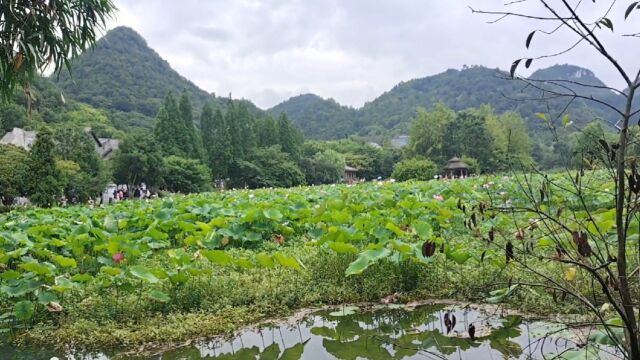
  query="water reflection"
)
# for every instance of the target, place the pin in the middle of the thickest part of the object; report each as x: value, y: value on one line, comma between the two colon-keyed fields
x: 385, y: 333
x: 388, y: 333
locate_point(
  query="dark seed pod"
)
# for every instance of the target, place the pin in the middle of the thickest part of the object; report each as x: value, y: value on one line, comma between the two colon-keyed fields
x: 472, y: 332
x: 483, y: 255
x: 473, y: 220
x: 541, y: 195
x: 460, y: 204
x: 491, y: 235
x: 582, y: 243
x: 453, y: 321
x: 428, y: 248
x: 509, y: 252
x: 447, y: 322
x: 604, y: 145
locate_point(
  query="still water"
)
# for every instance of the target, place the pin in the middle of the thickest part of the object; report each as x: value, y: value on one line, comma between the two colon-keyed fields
x: 392, y: 332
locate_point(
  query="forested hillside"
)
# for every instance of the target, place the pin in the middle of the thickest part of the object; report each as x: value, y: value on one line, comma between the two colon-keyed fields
x: 317, y: 117
x: 470, y: 87
x: 123, y: 75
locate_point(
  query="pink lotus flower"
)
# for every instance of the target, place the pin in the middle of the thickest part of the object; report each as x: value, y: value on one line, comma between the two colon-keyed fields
x: 438, y: 197
x: 118, y: 258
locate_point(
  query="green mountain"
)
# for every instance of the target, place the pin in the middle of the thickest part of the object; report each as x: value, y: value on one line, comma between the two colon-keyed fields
x: 320, y: 118
x: 124, y: 76
x: 470, y: 87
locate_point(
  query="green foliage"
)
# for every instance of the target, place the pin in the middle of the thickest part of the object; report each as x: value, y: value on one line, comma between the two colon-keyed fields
x: 76, y: 184
x: 290, y: 139
x: 44, y: 185
x: 324, y: 167
x: 428, y: 132
x: 74, y: 146
x: 415, y: 169
x: 267, y: 132
x: 586, y: 148
x: 14, y: 173
x: 216, y: 141
x: 38, y: 36
x: 139, y: 159
x: 188, y: 140
x: 467, y: 135
x: 12, y: 116
x: 511, y: 145
x: 186, y: 175
x: 268, y: 167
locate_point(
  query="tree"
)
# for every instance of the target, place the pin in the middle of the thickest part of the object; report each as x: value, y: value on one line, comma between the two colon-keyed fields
x: 267, y: 132
x: 77, y: 186
x: 415, y: 169
x: 139, y: 160
x: 14, y: 173
x: 428, y: 132
x: 290, y: 138
x: 12, y: 116
x: 44, y: 186
x: 190, y: 142
x: 510, y: 142
x: 233, y: 120
x: 245, y: 135
x: 585, y: 146
x: 186, y: 175
x: 37, y: 35
x: 467, y: 135
x: 166, y: 131
x: 267, y: 167
x: 606, y: 250
x: 74, y: 145
x: 325, y: 167
x: 216, y: 141
x: 278, y: 169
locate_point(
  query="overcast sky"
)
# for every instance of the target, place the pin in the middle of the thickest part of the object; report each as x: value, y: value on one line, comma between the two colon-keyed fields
x: 351, y: 50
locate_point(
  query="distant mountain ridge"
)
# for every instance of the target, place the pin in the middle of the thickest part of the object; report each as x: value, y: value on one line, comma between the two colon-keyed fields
x: 391, y: 112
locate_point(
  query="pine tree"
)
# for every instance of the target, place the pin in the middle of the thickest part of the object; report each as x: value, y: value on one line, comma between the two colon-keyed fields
x: 44, y: 188
x: 247, y: 129
x: 216, y: 141
x: 267, y: 132
x: 167, y: 130
x: 289, y: 137
x: 191, y: 146
x: 235, y: 131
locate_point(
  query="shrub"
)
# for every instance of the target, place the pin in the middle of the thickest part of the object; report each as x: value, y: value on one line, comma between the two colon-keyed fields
x: 414, y: 169
x: 186, y: 175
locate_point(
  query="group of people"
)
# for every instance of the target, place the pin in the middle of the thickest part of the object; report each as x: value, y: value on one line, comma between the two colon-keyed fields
x: 139, y: 193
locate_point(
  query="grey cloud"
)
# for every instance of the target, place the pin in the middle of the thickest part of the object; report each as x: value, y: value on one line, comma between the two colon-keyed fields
x: 349, y: 50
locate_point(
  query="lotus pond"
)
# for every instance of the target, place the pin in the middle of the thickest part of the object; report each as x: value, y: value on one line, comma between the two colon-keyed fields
x: 140, y: 275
